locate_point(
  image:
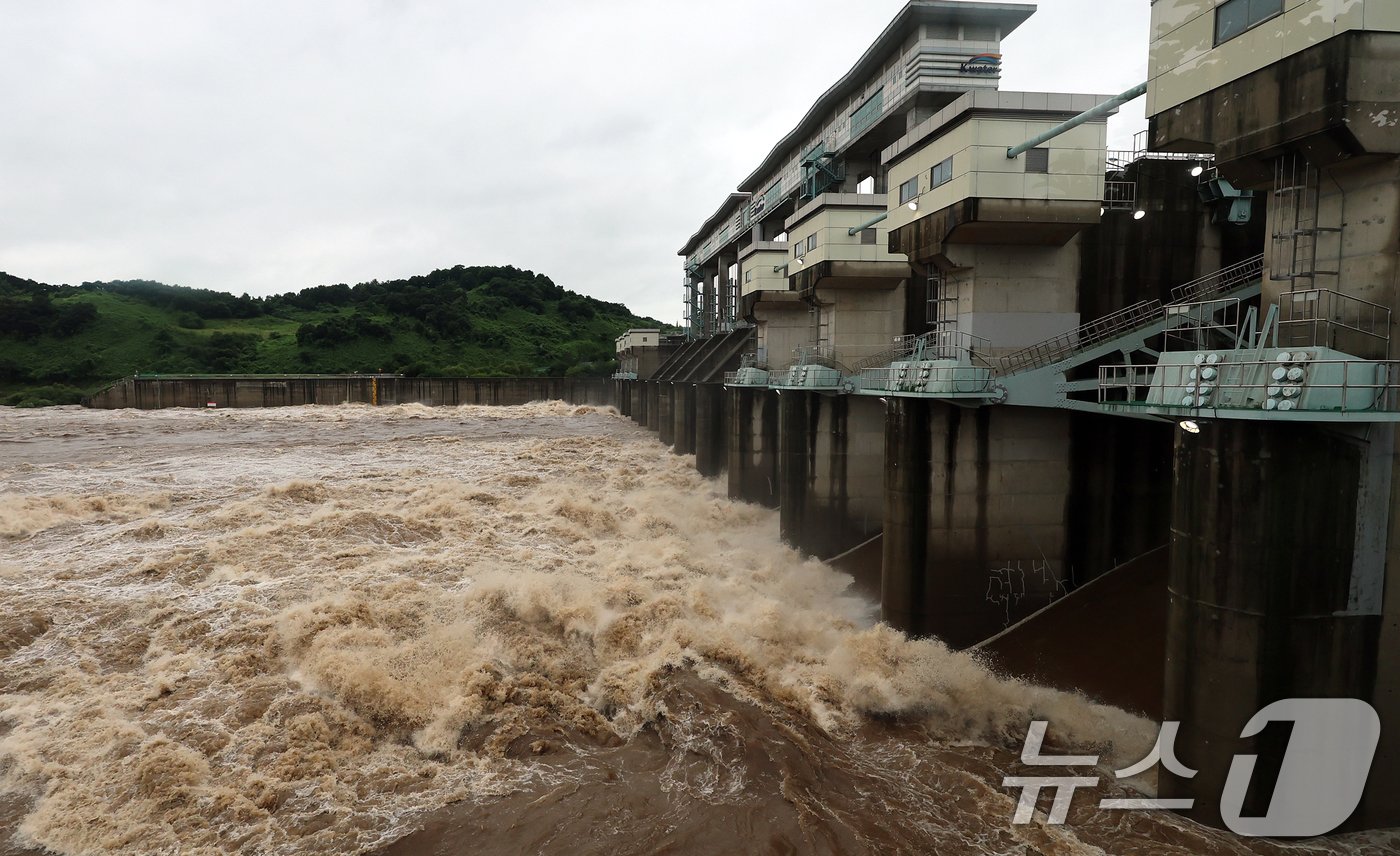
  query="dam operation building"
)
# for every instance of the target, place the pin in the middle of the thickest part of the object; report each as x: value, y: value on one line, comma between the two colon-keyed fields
x: 960, y: 342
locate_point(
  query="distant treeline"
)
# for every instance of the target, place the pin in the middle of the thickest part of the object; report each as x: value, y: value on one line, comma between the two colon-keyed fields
x: 456, y: 321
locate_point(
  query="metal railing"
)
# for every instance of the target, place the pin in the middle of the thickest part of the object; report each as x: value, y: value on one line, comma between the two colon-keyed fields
x: 935, y: 345
x: 947, y: 380
x: 1126, y: 157
x: 813, y: 355
x: 948, y: 345
x: 1123, y: 321
x: 1320, y: 317
x: 1330, y: 386
x: 756, y: 360
x: 1120, y: 195
x: 1203, y: 325
x: 903, y: 346
x: 1223, y: 280
x: 1087, y: 336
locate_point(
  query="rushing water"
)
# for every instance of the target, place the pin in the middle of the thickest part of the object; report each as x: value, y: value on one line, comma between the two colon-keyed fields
x: 525, y: 629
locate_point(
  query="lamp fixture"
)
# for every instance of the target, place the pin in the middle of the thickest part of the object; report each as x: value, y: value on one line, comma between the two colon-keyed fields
x: 1139, y: 214
x: 1190, y: 426
x: 913, y: 205
x: 1197, y: 170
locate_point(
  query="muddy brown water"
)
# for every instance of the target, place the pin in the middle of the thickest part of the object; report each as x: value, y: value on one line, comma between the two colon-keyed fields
x: 499, y: 630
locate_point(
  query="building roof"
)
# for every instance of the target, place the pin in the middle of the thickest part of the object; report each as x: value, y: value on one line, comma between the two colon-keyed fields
x: 1010, y: 105
x: 721, y: 214
x: 1007, y: 16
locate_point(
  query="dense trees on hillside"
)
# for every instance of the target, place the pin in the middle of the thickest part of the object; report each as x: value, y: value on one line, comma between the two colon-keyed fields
x: 36, y: 315
x: 455, y: 321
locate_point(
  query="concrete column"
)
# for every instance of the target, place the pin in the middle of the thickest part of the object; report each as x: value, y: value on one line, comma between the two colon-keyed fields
x: 665, y: 418
x: 722, y: 289
x: 794, y: 429
x: 830, y: 483
x: 1276, y: 591
x: 903, y: 596
x: 653, y: 408
x: 623, y: 396
x: 994, y: 505
x: 636, y: 396
x: 753, y: 445
x: 708, y: 289
x: 711, y: 429
x: 683, y: 417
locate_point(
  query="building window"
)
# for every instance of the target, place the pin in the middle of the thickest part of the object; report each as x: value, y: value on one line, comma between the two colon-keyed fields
x: 1038, y: 160
x: 797, y: 250
x: 811, y: 242
x: 941, y: 174
x: 865, y: 115
x: 1234, y: 17
x: 908, y: 190
x: 867, y: 236
x: 748, y: 276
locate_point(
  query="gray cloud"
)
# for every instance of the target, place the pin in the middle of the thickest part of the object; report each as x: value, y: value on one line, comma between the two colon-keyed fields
x: 265, y: 147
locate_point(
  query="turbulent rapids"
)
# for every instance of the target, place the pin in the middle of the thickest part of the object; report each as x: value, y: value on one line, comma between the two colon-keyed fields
x: 527, y: 629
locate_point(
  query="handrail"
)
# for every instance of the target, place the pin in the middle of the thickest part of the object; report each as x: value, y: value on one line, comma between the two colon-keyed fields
x: 1081, y: 338
x: 1221, y: 281
x: 1139, y: 314
x: 1320, y: 316
x: 1357, y: 386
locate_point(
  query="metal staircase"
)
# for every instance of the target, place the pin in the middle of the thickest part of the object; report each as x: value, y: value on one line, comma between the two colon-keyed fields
x: 820, y: 171
x: 1129, y: 329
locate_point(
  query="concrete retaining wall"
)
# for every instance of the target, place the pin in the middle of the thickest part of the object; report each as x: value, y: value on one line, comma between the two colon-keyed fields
x: 158, y: 392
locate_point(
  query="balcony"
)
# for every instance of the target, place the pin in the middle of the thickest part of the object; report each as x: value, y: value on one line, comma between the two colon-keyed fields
x: 824, y: 253
x: 1226, y: 366
x: 756, y: 267
x: 942, y: 364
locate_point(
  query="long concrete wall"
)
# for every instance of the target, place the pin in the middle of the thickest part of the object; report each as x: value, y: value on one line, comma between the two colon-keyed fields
x: 154, y: 393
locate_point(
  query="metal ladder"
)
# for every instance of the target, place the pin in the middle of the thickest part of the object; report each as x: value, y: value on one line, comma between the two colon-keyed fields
x: 1296, y: 227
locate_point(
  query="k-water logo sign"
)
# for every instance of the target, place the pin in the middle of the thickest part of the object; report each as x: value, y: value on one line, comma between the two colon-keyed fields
x: 982, y: 64
x: 1320, y: 782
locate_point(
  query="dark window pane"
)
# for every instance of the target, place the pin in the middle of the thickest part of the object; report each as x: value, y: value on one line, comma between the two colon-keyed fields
x: 942, y: 173
x: 1262, y: 10
x: 1231, y: 19
x: 908, y: 190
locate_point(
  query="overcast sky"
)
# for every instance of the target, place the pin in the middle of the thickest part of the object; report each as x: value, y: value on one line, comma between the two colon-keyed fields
x: 269, y: 146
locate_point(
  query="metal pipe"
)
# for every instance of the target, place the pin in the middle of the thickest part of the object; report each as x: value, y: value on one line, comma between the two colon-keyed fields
x: 868, y: 223
x: 1088, y: 115
x: 780, y: 268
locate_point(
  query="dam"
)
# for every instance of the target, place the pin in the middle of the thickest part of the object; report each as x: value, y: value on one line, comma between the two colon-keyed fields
x: 945, y: 330
x: 1022, y: 384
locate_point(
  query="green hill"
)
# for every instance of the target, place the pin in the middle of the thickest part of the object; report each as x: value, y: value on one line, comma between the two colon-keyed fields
x: 58, y: 342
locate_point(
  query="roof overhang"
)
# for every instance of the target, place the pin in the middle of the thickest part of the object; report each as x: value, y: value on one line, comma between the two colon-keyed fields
x: 1006, y: 16
x: 709, y: 225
